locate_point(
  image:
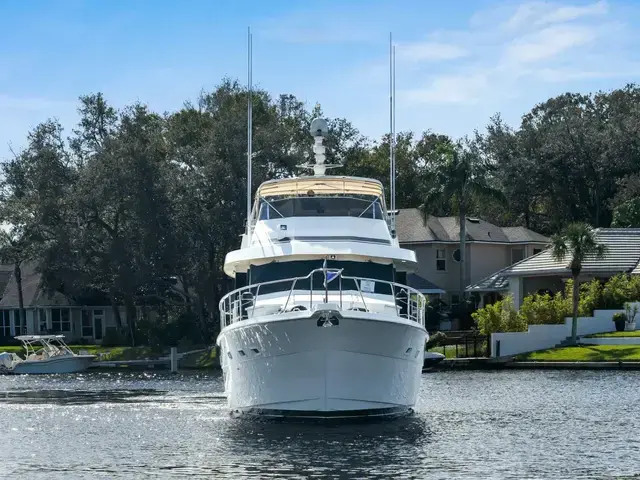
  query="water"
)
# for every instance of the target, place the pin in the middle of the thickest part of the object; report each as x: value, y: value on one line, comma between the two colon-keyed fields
x: 513, y: 424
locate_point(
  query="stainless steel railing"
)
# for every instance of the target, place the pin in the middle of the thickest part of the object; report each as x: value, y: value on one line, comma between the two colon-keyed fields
x: 242, y: 303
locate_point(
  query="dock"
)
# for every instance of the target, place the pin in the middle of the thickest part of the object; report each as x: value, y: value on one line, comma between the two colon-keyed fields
x: 169, y: 362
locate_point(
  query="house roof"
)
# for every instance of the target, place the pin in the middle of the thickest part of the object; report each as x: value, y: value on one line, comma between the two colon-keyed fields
x: 412, y: 228
x: 496, y: 282
x: 623, y: 255
x: 422, y: 284
x: 32, y: 292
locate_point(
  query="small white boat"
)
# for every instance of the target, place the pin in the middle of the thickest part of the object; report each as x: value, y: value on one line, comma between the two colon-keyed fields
x: 431, y: 359
x: 44, y: 354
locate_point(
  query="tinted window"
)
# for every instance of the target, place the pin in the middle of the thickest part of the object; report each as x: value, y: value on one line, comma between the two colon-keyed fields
x: 320, y: 207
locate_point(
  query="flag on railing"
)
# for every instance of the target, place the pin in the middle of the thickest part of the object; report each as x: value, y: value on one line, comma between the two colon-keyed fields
x: 330, y: 274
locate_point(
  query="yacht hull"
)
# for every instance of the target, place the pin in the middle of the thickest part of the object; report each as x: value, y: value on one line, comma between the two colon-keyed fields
x: 61, y: 364
x: 300, y: 365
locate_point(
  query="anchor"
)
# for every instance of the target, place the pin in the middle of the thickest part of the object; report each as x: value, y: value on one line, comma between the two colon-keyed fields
x: 327, y: 320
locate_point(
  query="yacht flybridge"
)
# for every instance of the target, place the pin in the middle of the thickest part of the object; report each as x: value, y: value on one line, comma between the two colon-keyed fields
x: 321, y: 322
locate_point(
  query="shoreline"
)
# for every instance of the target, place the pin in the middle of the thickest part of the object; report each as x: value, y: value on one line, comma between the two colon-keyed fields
x: 504, y: 364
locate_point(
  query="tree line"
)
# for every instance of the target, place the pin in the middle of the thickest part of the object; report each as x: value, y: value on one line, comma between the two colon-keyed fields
x: 137, y: 207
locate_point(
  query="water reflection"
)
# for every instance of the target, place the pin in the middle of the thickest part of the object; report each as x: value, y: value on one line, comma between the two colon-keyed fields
x: 375, y: 449
x: 476, y: 425
x: 79, y: 397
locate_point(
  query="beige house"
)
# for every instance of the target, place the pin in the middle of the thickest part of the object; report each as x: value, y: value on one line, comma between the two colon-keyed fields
x: 543, y: 273
x: 490, y: 248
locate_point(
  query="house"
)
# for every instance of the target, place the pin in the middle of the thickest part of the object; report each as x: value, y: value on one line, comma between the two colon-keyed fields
x: 49, y: 312
x: 543, y: 273
x: 489, y: 248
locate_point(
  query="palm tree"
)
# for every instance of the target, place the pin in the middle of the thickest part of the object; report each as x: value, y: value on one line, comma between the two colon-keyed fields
x: 578, y: 241
x: 459, y: 179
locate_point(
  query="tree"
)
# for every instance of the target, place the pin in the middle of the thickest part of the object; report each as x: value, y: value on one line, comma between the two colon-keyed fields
x: 16, y: 248
x: 459, y: 179
x: 578, y: 241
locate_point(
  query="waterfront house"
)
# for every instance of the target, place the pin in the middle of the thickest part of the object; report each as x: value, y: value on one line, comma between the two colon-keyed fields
x: 489, y: 248
x: 50, y: 312
x: 542, y: 273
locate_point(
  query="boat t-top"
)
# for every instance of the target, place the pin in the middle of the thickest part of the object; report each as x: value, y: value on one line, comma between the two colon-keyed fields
x: 44, y: 354
x: 321, y: 322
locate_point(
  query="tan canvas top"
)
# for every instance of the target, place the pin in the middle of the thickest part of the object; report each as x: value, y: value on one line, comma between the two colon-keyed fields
x: 321, y: 186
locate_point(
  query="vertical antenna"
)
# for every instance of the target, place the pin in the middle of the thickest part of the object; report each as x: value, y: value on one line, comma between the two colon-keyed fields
x: 392, y: 141
x: 249, y: 128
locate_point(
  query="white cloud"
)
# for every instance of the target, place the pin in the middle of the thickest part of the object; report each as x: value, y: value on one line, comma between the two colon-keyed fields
x: 571, y: 12
x: 430, y: 51
x: 458, y: 89
x: 548, y: 43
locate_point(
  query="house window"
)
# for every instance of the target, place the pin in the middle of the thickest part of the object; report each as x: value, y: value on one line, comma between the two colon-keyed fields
x: 98, y: 321
x: 536, y: 251
x: 42, y: 320
x: 17, y: 321
x: 517, y: 254
x: 441, y: 262
x: 60, y: 320
x: 87, y: 324
x: 5, y: 323
x: 456, y: 255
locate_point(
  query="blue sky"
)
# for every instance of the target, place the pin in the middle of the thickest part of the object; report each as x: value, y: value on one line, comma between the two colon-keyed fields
x: 458, y: 62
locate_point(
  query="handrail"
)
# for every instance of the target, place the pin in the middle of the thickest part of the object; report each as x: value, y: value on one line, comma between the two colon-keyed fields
x: 235, y: 305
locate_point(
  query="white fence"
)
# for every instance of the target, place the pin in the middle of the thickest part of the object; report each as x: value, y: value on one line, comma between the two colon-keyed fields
x: 540, y: 337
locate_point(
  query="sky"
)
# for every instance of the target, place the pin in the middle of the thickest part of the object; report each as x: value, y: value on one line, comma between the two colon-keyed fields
x: 457, y: 62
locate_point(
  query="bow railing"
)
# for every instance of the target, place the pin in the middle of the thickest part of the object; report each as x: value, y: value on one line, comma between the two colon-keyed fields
x: 299, y: 293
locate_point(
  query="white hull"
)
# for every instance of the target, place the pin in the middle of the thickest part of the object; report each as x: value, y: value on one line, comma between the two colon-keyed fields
x: 61, y: 364
x: 365, y: 365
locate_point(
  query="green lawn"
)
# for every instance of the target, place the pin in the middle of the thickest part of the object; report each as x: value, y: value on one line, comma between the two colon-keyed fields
x: 449, y: 351
x: 585, y: 353
x: 633, y: 333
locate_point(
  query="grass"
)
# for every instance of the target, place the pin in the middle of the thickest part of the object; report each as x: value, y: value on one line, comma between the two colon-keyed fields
x: 633, y: 333
x: 449, y: 351
x: 585, y: 353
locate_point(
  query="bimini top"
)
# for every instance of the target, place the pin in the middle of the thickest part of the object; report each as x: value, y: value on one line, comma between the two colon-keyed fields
x: 325, y: 185
x: 33, y: 338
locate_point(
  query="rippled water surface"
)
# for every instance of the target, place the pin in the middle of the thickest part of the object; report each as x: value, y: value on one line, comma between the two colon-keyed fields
x: 514, y: 424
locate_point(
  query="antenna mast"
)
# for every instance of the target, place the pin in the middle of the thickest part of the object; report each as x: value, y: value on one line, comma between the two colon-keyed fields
x: 392, y: 134
x: 249, y: 127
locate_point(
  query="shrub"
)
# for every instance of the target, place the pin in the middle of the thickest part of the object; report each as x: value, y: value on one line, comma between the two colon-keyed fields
x: 435, y: 339
x: 619, y: 289
x: 590, y: 297
x: 114, y: 338
x: 499, y: 317
x: 545, y: 309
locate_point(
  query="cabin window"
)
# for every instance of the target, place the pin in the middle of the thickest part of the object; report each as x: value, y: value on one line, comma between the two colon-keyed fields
x: 536, y: 251
x: 60, y: 320
x: 5, y: 323
x: 321, y: 207
x: 287, y: 270
x: 441, y: 262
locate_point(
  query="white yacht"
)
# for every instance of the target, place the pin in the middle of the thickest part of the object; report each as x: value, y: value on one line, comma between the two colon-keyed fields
x: 321, y: 323
x: 44, y: 354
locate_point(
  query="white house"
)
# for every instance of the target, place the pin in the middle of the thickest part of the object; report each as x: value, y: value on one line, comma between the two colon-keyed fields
x: 542, y: 272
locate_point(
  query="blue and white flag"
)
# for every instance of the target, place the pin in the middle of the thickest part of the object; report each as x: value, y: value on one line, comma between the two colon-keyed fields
x: 330, y: 274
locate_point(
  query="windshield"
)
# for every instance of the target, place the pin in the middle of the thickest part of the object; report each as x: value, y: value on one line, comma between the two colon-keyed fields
x: 320, y: 207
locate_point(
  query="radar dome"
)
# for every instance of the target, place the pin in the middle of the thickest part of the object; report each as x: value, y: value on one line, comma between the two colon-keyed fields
x: 319, y: 127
